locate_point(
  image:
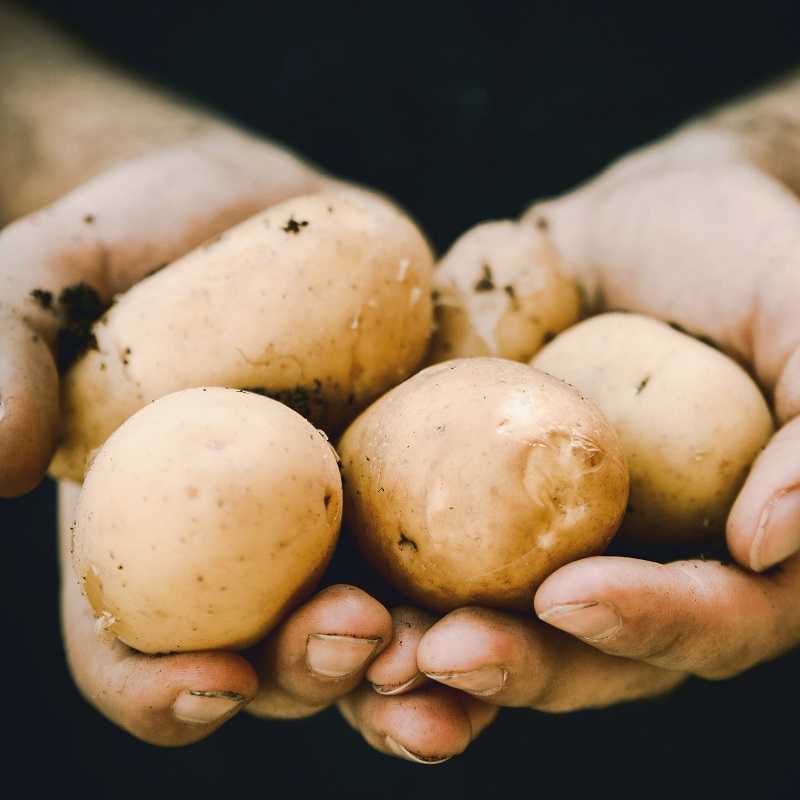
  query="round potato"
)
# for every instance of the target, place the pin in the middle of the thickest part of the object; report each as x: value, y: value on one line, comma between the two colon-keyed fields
x: 500, y: 291
x: 690, y: 419
x: 203, y: 519
x: 476, y: 478
x: 301, y: 302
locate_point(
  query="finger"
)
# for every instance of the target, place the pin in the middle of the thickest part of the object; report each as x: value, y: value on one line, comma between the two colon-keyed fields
x: 764, y: 524
x: 428, y: 725
x: 28, y: 407
x: 514, y: 660
x: 395, y: 670
x: 707, y: 618
x: 163, y: 700
x: 319, y: 653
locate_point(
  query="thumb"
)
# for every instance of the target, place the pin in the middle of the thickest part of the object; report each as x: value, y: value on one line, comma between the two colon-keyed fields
x: 764, y: 523
x: 28, y: 407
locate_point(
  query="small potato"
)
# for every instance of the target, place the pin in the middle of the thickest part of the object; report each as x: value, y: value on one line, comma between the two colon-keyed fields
x: 322, y: 302
x: 476, y: 478
x: 203, y: 519
x: 690, y: 419
x: 500, y: 291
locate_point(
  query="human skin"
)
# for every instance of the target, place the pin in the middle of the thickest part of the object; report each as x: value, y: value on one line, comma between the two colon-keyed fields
x: 153, y: 177
x: 731, y: 276
x: 701, y: 229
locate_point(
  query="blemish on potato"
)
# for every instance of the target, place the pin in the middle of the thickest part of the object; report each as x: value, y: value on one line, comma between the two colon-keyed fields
x: 486, y: 282
x: 509, y: 290
x: 43, y: 297
x: 294, y: 226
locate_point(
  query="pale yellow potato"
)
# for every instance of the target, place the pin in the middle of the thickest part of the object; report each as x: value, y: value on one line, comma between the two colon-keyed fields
x: 474, y: 479
x: 203, y: 519
x: 691, y: 419
x: 322, y: 301
x: 500, y: 291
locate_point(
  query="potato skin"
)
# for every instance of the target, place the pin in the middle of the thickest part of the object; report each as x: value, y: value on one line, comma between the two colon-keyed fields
x: 301, y: 302
x: 690, y: 419
x: 500, y: 291
x: 474, y: 479
x: 204, y: 519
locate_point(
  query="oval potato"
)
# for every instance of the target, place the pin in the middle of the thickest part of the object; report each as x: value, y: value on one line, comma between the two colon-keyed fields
x: 500, y: 291
x: 301, y: 302
x: 690, y: 419
x: 204, y: 518
x: 474, y: 479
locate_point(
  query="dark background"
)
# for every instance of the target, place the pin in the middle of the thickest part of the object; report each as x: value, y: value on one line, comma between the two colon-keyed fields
x: 463, y: 111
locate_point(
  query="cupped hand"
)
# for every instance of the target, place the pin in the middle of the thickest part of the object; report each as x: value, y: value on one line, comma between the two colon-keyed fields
x: 695, y: 232
x: 98, y: 241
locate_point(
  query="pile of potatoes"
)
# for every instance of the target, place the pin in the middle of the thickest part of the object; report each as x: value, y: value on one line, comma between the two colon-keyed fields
x: 315, y: 367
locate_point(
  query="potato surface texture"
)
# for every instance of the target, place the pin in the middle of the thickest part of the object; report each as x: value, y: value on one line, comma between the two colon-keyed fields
x: 500, y: 291
x: 476, y: 478
x: 301, y: 302
x: 204, y: 519
x: 690, y: 419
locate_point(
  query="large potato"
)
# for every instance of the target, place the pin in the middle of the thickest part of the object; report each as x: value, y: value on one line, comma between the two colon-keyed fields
x: 203, y: 519
x: 500, y: 291
x: 322, y: 302
x: 690, y: 419
x: 476, y: 478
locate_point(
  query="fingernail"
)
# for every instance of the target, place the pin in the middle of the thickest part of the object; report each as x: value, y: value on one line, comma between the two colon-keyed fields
x: 778, y: 535
x: 337, y: 656
x: 594, y: 620
x: 205, y: 707
x: 484, y: 681
x: 399, y: 750
x: 389, y: 689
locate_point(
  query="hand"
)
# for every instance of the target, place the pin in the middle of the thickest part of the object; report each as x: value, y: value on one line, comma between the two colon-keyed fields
x: 105, y: 235
x: 151, y: 177
x: 702, y: 229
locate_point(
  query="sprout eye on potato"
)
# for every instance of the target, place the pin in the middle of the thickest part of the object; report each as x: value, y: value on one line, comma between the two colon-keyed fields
x: 690, y: 419
x: 474, y: 479
x: 204, y: 519
x: 322, y: 302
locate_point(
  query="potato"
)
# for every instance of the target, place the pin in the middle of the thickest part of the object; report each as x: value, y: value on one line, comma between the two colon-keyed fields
x: 474, y: 479
x: 690, y: 419
x: 500, y: 291
x: 322, y: 302
x: 204, y: 518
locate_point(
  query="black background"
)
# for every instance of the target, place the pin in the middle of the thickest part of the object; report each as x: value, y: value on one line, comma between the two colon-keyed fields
x: 463, y: 111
